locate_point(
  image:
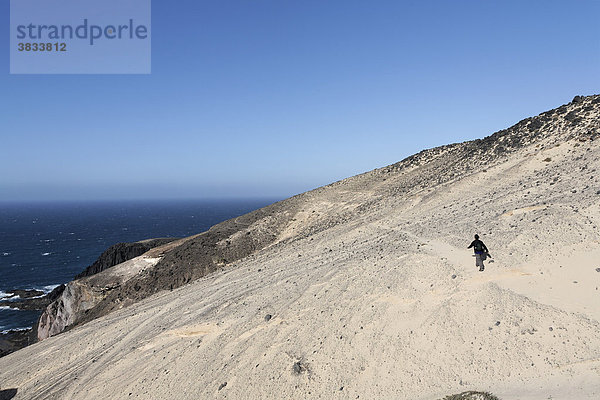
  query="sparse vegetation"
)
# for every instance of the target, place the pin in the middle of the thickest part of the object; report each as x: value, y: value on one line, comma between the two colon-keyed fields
x: 219, y: 261
x: 471, y: 395
x: 535, y: 125
x: 571, y: 116
x: 547, y: 159
x: 299, y: 367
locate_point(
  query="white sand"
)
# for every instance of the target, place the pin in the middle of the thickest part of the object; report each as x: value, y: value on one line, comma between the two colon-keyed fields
x: 369, y: 307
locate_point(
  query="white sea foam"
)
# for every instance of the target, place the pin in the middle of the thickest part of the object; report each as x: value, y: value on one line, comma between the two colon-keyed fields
x: 49, y: 288
x: 15, y: 329
x: 8, y: 308
x: 4, y: 295
x: 46, y: 289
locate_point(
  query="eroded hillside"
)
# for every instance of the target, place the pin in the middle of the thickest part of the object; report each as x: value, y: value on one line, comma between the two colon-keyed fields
x: 365, y: 289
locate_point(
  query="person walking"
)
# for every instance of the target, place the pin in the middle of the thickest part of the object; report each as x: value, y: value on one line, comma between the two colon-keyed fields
x: 481, y: 252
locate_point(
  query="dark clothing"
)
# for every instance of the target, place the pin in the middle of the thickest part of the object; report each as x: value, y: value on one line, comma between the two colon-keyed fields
x: 478, y: 246
x: 479, y: 259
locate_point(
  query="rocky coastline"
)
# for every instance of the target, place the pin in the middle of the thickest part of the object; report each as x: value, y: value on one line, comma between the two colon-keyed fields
x: 32, y: 299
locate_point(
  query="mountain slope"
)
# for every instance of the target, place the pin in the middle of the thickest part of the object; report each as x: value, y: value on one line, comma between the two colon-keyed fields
x: 365, y: 287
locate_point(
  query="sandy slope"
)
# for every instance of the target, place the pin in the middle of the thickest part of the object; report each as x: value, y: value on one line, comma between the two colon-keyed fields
x: 385, y: 304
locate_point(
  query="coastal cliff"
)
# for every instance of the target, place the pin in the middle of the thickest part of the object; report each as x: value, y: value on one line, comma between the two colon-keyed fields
x: 121, y: 252
x: 69, y: 303
x: 361, y: 288
x: 65, y: 304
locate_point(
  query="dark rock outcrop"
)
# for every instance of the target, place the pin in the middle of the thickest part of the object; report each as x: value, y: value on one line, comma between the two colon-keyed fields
x: 8, y: 394
x: 15, y: 340
x: 24, y: 293
x: 121, y: 252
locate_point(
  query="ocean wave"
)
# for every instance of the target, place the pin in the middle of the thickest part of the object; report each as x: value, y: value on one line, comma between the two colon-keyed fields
x: 8, y: 308
x: 45, y: 254
x: 5, y: 254
x: 49, y: 288
x: 15, y: 330
x: 46, y: 289
x: 4, y: 295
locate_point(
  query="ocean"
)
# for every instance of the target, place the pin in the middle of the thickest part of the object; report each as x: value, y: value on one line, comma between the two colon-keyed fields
x: 43, y: 245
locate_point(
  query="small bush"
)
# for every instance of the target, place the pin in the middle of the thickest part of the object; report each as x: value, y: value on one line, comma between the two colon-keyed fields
x: 547, y: 159
x: 571, y: 116
x: 470, y: 395
x: 534, y: 125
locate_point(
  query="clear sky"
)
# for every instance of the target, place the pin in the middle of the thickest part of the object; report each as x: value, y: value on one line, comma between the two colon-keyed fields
x: 272, y: 98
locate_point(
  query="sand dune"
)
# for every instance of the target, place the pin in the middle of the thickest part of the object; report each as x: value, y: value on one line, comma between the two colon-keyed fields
x: 384, y: 303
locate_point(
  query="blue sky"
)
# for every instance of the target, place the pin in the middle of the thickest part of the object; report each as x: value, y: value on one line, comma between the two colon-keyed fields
x: 272, y: 98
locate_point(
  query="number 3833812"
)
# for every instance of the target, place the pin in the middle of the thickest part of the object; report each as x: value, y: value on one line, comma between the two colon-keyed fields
x: 42, y: 47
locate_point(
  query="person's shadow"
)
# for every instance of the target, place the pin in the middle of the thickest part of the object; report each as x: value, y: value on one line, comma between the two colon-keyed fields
x: 7, y: 394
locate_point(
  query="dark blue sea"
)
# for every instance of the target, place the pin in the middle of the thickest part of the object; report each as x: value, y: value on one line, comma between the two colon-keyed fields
x: 45, y: 245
